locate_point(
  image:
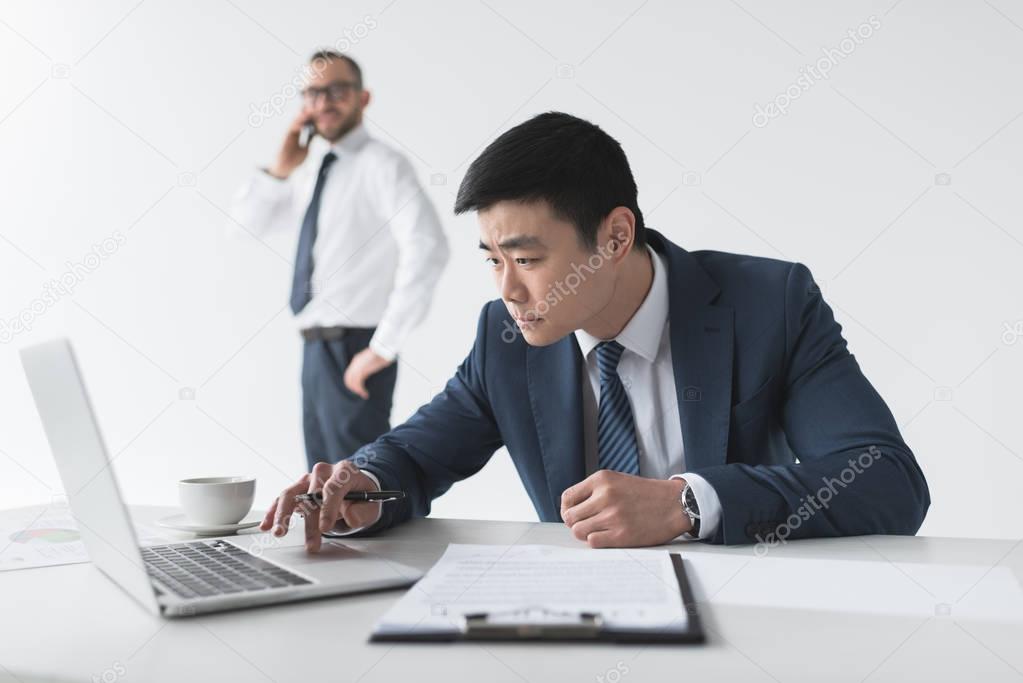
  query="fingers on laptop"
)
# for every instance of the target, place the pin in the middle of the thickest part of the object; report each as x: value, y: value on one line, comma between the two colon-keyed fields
x: 324, y: 477
x: 279, y: 514
x: 334, y: 481
x: 312, y: 532
x: 336, y: 484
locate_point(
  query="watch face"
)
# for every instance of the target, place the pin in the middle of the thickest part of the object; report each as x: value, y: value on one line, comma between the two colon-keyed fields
x: 689, y: 500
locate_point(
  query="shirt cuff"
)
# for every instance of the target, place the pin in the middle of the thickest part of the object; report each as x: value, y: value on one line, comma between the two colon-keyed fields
x: 342, y: 529
x: 382, y: 350
x: 269, y: 185
x: 708, y: 502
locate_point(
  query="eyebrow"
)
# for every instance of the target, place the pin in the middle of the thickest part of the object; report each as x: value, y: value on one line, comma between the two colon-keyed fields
x: 516, y: 242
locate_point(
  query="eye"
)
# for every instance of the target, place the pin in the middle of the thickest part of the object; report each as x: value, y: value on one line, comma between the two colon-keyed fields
x: 493, y: 262
x: 523, y: 261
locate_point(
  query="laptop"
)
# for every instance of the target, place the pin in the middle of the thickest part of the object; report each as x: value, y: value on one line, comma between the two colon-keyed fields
x: 190, y: 577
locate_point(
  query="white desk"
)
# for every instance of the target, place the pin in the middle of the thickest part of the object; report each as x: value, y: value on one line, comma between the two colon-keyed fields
x: 954, y: 603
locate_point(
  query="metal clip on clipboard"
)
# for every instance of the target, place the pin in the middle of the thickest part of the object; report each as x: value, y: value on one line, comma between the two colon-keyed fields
x: 532, y: 622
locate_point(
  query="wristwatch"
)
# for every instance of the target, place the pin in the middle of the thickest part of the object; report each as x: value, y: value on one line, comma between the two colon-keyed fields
x: 690, y: 509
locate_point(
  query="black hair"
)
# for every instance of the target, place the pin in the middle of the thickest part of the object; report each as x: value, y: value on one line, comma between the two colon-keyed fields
x: 331, y: 55
x: 573, y: 165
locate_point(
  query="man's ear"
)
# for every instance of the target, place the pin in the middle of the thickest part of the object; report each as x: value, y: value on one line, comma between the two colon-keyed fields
x: 620, y: 232
x: 366, y: 97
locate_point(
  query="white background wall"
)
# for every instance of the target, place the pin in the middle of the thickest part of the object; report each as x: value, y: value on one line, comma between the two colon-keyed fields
x: 134, y: 118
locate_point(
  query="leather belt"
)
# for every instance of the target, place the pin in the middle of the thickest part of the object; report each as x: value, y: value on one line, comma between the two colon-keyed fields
x: 329, y: 333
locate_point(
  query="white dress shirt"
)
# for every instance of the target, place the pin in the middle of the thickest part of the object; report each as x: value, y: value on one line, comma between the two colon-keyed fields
x: 647, y: 374
x: 379, y: 248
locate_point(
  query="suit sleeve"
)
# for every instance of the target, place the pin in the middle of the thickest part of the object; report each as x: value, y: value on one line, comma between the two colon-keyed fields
x: 854, y: 475
x: 447, y: 440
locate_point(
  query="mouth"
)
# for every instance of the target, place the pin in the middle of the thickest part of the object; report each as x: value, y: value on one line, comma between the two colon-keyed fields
x: 527, y: 322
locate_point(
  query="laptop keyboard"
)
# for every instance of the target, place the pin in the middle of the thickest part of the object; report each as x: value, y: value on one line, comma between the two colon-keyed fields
x: 204, y: 568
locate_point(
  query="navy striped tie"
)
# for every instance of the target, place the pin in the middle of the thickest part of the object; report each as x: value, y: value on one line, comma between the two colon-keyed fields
x: 616, y: 431
x: 302, y: 281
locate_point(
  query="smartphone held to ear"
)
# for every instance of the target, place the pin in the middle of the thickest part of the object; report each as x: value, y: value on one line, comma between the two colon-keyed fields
x: 308, y: 131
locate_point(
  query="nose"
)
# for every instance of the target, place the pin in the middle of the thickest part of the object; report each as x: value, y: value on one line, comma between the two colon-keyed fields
x: 512, y: 288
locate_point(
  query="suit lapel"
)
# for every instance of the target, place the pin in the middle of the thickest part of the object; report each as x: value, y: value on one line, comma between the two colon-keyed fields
x: 702, y: 342
x: 555, y: 396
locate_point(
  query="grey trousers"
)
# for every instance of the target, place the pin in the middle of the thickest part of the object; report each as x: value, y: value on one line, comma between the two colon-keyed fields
x: 336, y: 422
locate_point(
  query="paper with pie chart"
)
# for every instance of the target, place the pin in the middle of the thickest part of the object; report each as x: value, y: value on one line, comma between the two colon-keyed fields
x: 44, y: 537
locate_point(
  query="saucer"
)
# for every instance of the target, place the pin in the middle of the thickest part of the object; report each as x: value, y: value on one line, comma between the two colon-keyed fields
x: 180, y: 523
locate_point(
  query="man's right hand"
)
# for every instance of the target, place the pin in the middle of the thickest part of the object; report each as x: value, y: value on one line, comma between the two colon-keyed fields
x: 334, y: 481
x: 292, y: 153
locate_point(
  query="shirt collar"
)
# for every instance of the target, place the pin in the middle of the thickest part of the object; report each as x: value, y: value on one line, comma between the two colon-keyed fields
x: 643, y: 333
x: 350, y: 141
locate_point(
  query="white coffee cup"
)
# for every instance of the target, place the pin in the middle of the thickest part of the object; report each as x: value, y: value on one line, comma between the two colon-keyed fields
x: 216, y: 501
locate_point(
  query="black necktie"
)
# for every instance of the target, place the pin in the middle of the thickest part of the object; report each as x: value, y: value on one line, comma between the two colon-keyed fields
x: 302, y: 284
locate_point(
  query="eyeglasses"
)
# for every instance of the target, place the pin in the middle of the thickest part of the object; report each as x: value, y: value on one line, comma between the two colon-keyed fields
x: 334, y: 92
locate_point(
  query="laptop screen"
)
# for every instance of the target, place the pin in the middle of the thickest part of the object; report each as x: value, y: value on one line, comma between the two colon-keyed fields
x: 89, y: 482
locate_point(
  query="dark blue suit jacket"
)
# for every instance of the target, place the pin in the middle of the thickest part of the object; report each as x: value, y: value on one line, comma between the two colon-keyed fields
x: 772, y: 406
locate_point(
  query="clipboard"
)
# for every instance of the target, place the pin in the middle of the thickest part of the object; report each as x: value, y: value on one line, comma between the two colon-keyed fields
x: 536, y: 624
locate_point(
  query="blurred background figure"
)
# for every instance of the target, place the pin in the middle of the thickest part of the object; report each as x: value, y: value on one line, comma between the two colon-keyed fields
x: 370, y: 251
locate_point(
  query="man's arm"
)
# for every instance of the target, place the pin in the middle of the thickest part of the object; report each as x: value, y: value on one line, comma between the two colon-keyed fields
x: 422, y: 254
x: 855, y: 474
x: 267, y: 198
x: 447, y: 440
x: 264, y: 203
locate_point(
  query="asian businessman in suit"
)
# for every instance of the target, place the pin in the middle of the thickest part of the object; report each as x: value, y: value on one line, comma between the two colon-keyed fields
x: 645, y: 393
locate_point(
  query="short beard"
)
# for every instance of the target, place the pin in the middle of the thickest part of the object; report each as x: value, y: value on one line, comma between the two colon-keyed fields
x: 345, y: 126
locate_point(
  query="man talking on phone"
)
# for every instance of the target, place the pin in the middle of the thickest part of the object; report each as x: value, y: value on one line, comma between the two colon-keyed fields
x: 370, y: 252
